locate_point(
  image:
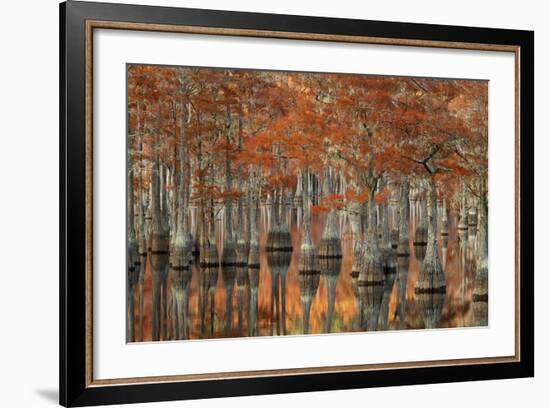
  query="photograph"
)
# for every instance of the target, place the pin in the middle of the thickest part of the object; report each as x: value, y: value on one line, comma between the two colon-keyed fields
x: 271, y: 203
x: 254, y: 204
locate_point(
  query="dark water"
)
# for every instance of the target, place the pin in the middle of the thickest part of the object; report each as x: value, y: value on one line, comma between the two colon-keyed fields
x: 268, y: 318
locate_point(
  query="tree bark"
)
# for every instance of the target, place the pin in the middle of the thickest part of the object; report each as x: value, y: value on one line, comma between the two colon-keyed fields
x: 431, y: 288
x: 480, y: 294
x: 133, y: 260
x: 308, y: 269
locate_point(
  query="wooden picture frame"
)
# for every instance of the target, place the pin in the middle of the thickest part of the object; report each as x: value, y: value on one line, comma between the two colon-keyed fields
x: 78, y: 20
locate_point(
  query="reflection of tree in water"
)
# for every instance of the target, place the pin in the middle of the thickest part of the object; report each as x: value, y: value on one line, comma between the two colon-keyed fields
x: 278, y: 263
x: 159, y: 250
x: 242, y: 270
x: 389, y: 265
x: 358, y: 301
x: 208, y: 267
x: 181, y: 247
x: 253, y: 260
x: 389, y: 262
x: 462, y: 231
x: 330, y: 251
x: 243, y: 238
x: 180, y: 279
x: 330, y: 271
x: 308, y: 269
x: 213, y: 144
x: 480, y: 293
x: 371, y: 281
x: 242, y: 283
x: 133, y: 264
x: 355, y: 221
x: 279, y: 254
x: 403, y: 252
x: 253, y: 280
x: 210, y: 273
x: 309, y: 276
x: 430, y: 288
x: 229, y: 274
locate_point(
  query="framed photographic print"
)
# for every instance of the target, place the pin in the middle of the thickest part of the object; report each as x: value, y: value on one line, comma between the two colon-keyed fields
x: 256, y: 203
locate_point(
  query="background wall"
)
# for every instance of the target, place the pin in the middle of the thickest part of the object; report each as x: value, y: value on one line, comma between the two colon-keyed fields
x: 29, y: 201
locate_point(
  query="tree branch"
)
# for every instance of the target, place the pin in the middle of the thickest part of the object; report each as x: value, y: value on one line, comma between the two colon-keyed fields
x: 471, y: 190
x: 414, y: 81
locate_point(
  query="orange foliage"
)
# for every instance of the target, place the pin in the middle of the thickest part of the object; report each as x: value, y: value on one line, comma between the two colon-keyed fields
x: 319, y: 209
x: 278, y: 123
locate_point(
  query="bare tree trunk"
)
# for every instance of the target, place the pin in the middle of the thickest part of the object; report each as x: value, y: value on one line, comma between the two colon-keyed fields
x: 389, y: 263
x: 308, y: 269
x: 253, y: 201
x: 229, y: 254
x: 159, y: 241
x: 431, y: 289
x: 254, y: 251
x: 330, y: 246
x: 330, y: 252
x: 133, y: 260
x: 480, y: 295
x: 420, y: 242
x: 444, y: 232
x: 181, y: 256
x: 403, y: 252
x: 243, y: 241
x: 165, y: 180
x: 159, y: 247
x: 142, y: 242
x: 371, y: 276
x: 355, y: 215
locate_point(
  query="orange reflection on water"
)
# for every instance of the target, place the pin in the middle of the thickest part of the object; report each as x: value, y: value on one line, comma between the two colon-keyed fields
x: 345, y: 309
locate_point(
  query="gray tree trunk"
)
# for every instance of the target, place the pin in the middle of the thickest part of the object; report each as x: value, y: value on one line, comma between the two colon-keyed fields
x: 308, y: 268
x: 159, y: 241
x: 431, y: 288
x: 229, y: 253
x: 133, y: 260
x: 141, y: 230
x: 371, y: 274
x: 480, y: 295
x: 389, y: 264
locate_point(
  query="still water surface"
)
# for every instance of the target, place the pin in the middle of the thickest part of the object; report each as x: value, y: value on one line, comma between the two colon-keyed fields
x: 458, y: 262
